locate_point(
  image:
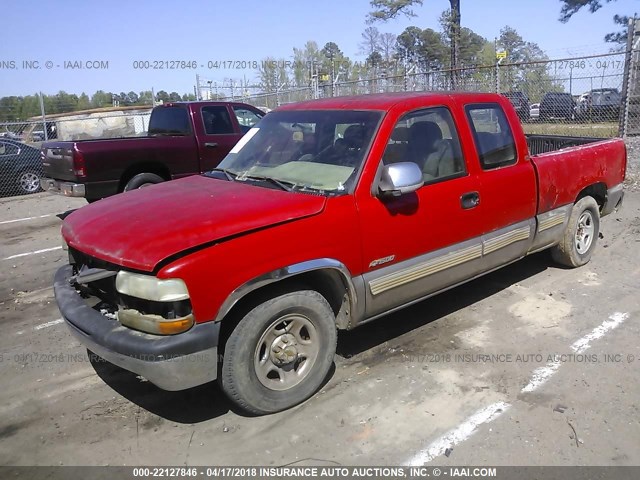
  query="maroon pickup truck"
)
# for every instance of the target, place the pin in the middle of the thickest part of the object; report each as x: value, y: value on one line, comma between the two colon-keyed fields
x: 183, y: 139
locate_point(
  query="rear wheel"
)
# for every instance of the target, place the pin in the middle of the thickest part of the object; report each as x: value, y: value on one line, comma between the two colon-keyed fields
x: 280, y: 352
x: 142, y: 180
x: 580, y: 235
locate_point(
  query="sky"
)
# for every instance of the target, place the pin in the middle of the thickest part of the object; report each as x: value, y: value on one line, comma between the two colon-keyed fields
x: 58, y: 34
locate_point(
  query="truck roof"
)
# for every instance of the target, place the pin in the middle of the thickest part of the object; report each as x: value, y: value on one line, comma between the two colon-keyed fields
x: 380, y: 101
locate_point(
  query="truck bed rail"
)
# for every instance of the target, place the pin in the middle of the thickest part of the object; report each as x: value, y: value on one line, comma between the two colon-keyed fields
x: 548, y: 143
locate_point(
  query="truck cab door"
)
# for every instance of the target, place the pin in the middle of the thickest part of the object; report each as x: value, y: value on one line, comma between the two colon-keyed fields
x: 218, y: 135
x: 508, y: 183
x: 421, y: 242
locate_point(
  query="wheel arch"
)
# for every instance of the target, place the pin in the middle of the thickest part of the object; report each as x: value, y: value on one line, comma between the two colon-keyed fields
x: 327, y: 276
x: 596, y: 190
x: 145, y: 167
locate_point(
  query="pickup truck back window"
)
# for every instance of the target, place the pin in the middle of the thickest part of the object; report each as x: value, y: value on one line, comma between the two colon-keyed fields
x: 428, y: 138
x: 169, y: 121
x: 493, y: 137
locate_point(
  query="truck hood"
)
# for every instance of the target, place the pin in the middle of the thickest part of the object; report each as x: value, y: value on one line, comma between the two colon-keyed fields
x: 141, y: 228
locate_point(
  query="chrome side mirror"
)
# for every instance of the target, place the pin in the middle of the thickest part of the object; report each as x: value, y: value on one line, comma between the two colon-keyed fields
x: 400, y: 178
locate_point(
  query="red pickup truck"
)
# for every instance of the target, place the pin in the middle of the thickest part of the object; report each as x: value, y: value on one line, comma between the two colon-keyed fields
x: 328, y: 214
x: 182, y: 139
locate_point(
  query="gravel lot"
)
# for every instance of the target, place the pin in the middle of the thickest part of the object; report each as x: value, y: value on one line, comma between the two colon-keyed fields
x: 531, y: 365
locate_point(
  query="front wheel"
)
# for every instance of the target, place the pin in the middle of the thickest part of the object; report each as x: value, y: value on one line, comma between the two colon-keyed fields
x: 280, y: 352
x: 580, y: 235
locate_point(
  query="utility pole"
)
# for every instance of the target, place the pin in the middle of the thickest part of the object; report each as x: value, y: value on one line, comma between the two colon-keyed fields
x: 455, y: 42
x: 44, y: 119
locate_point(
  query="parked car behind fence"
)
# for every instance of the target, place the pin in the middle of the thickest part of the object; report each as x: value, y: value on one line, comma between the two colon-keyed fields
x: 520, y: 103
x: 599, y: 104
x: 557, y: 105
x: 20, y: 168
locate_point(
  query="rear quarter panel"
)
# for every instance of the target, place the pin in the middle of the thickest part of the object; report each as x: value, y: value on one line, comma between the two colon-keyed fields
x: 563, y: 174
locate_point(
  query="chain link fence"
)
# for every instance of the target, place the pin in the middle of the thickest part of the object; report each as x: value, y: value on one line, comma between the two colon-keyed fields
x: 591, y: 96
x: 580, y: 96
x: 20, y: 163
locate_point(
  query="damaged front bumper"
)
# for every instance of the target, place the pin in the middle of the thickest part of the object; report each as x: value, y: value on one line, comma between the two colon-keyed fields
x: 172, y: 362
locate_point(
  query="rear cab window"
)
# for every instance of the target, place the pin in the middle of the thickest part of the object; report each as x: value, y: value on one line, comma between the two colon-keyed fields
x: 216, y: 120
x: 492, y: 134
x: 169, y: 121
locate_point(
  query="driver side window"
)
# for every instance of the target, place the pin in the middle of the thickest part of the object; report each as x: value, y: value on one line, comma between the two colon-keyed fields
x: 429, y: 139
x: 246, y: 118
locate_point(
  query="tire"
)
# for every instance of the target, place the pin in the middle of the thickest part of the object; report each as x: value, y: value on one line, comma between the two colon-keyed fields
x: 142, y: 180
x: 28, y: 181
x: 264, y: 369
x: 580, y: 235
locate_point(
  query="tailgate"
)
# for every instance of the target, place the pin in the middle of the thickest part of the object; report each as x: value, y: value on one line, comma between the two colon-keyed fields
x: 57, y: 160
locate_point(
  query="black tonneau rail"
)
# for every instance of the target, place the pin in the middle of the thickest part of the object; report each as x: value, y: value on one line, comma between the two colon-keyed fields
x: 549, y: 143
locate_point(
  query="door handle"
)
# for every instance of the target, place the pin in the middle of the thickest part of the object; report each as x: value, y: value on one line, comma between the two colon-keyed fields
x: 470, y: 200
x: 210, y: 144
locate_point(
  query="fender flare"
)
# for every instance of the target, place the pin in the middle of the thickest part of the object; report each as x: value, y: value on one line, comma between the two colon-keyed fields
x: 288, y: 272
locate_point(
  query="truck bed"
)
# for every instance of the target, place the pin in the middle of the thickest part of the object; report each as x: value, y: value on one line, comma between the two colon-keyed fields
x: 539, y: 144
x: 565, y: 166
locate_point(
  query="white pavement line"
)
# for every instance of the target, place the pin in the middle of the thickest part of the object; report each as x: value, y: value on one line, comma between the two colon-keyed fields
x: 48, y: 324
x: 43, y: 325
x: 542, y: 374
x: 35, y: 252
x: 614, y: 321
x: 490, y: 413
x: 458, y: 434
x: 25, y: 219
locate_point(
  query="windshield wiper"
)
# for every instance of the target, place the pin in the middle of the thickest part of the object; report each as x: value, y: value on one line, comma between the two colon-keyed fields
x: 230, y: 175
x: 286, y: 186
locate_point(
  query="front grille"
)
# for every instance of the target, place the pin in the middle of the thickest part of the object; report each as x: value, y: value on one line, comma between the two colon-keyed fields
x: 104, y: 289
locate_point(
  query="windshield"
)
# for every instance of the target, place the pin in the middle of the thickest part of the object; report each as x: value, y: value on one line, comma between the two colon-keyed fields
x: 305, y: 150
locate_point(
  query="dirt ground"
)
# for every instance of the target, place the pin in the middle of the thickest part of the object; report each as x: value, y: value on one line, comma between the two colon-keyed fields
x: 531, y: 365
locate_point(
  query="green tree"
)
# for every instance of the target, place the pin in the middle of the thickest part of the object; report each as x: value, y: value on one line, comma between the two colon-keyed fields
x: 101, y: 99
x: 384, y: 10
x: 145, y: 98
x: 432, y: 51
x: 306, y: 62
x: 335, y: 66
x: 175, y: 97
x: 469, y: 44
x: 527, y: 76
x: 132, y: 98
x: 571, y: 7
x: 331, y: 50
x: 30, y: 107
x: 84, y: 102
x: 162, y: 96
x: 408, y: 44
x: 371, y: 41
